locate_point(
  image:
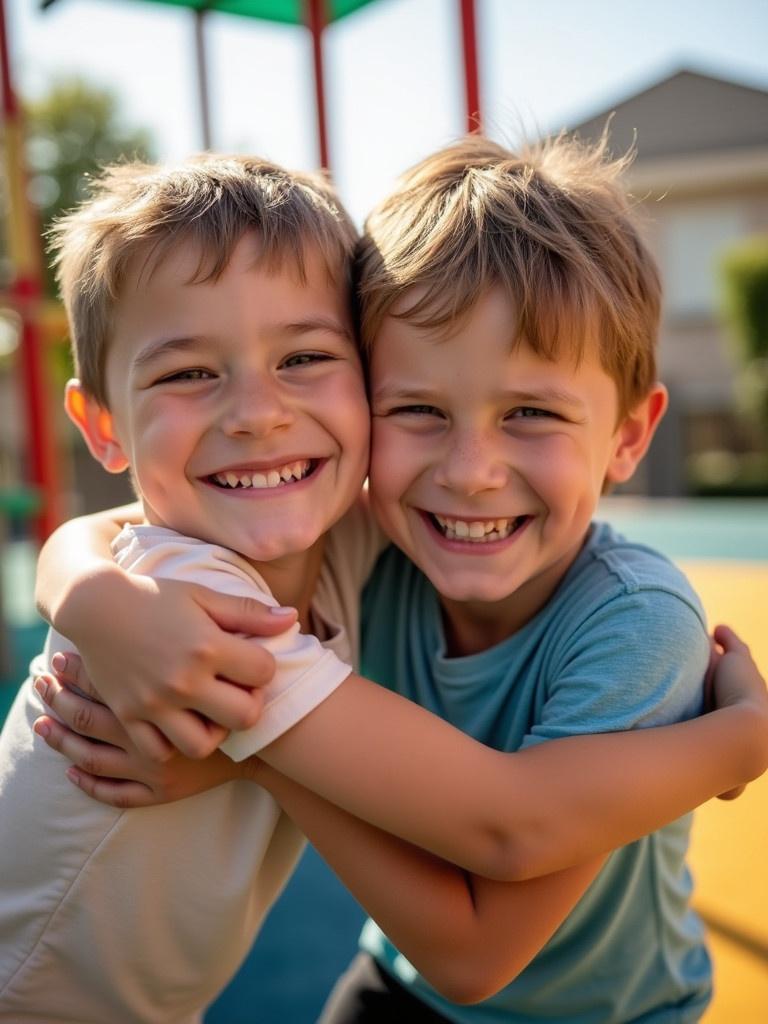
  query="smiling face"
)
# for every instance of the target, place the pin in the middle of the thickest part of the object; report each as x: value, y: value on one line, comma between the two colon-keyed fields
x: 488, y: 460
x: 238, y: 403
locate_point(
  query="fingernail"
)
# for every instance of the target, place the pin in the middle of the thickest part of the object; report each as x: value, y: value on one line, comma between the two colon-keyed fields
x: 59, y: 662
x: 283, y: 611
x: 73, y: 776
x: 42, y: 729
x: 41, y: 686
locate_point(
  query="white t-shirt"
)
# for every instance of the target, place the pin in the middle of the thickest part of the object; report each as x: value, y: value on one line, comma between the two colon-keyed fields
x: 142, y: 916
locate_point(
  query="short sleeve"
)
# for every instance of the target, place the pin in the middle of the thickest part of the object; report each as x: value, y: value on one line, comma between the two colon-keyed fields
x: 638, y: 660
x: 305, y: 672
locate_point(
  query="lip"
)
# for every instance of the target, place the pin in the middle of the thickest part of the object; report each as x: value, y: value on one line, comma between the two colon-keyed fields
x: 462, y: 547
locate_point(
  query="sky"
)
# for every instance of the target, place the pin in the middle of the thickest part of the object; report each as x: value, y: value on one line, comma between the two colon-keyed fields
x: 393, y: 71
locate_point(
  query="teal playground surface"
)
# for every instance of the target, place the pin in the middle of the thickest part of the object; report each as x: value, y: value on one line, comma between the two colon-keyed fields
x: 311, y: 933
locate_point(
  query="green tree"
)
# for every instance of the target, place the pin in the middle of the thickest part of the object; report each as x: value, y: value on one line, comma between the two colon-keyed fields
x: 745, y: 274
x: 72, y: 131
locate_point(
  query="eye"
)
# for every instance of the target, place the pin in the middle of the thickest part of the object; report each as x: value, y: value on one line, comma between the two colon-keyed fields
x: 307, y: 359
x: 415, y: 410
x: 193, y: 373
x: 529, y: 412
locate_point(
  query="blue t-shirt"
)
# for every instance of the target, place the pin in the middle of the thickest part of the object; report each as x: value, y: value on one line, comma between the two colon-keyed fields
x: 622, y: 644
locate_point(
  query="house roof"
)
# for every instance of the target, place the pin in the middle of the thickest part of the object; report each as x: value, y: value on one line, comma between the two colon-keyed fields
x: 684, y: 114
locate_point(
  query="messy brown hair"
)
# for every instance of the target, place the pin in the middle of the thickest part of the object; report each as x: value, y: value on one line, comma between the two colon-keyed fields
x: 552, y: 225
x: 144, y: 211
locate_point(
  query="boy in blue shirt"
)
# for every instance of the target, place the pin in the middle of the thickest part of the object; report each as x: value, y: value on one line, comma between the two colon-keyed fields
x: 503, y: 406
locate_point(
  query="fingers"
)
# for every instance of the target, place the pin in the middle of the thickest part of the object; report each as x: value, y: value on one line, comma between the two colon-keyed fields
x: 732, y: 794
x: 69, y: 669
x: 93, y: 757
x: 243, y: 661
x: 730, y: 642
x: 189, y: 733
x: 114, y: 792
x: 84, y: 716
x: 244, y: 614
x: 149, y: 740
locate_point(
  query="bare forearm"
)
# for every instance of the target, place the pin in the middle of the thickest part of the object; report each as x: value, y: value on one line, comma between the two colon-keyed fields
x: 468, y: 936
x: 77, y: 551
x: 512, y: 816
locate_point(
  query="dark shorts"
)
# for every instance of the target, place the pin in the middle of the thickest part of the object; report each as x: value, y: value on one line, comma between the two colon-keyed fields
x: 366, y: 994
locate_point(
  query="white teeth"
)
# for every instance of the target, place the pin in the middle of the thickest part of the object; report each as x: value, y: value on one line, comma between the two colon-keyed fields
x: 476, y: 531
x: 289, y: 473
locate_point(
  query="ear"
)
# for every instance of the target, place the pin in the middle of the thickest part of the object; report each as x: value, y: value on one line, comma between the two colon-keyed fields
x: 635, y: 434
x: 97, y: 427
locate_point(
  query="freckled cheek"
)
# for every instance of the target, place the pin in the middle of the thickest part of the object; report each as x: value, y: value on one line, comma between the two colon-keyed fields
x: 556, y: 470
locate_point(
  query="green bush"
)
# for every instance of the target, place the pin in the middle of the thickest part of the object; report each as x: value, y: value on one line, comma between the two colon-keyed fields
x: 745, y: 279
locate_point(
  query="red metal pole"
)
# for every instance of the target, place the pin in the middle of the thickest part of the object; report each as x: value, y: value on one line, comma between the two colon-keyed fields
x: 315, y: 15
x: 471, y: 75
x: 26, y: 294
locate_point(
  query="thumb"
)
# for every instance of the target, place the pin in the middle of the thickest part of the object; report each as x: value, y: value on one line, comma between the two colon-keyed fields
x: 244, y: 614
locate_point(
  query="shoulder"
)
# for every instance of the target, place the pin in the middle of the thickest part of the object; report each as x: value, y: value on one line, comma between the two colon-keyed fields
x: 165, y: 554
x: 614, y: 572
x: 632, y: 645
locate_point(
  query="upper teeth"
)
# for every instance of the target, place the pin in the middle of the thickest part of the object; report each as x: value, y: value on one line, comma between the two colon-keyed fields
x: 271, y: 478
x: 482, y: 530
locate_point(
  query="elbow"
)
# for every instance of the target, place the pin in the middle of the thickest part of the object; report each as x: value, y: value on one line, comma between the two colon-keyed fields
x: 464, y: 982
x: 509, y: 858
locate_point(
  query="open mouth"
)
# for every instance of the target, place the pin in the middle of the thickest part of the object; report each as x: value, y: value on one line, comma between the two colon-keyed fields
x: 280, y: 476
x: 476, y: 531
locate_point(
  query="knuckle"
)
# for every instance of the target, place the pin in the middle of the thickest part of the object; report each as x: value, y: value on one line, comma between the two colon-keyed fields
x: 89, y: 763
x: 82, y: 720
x: 121, y: 800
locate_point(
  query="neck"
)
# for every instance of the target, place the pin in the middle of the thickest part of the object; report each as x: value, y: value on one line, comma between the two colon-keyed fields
x: 292, y: 579
x: 474, y: 626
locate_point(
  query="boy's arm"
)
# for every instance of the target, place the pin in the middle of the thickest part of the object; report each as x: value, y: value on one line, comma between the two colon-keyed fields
x: 189, y: 663
x: 467, y: 935
x: 519, y: 815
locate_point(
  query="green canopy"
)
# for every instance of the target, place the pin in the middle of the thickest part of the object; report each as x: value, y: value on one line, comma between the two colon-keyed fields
x: 291, y: 12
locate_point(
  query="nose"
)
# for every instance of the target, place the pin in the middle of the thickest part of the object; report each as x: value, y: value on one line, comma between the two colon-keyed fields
x: 255, y: 405
x: 470, y: 464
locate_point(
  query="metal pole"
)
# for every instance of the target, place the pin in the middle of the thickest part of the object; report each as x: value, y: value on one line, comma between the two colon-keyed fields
x: 26, y: 294
x: 316, y: 19
x: 471, y: 75
x: 202, y: 77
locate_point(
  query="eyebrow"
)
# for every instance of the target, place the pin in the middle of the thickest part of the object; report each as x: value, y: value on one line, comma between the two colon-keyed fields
x: 163, y: 345
x: 544, y: 395
x: 182, y: 344
x: 318, y: 323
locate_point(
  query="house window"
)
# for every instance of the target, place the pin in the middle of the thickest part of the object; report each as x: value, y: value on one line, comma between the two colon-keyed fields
x: 693, y: 243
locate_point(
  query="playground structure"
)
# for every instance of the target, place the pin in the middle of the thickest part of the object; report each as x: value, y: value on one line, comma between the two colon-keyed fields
x: 39, y: 497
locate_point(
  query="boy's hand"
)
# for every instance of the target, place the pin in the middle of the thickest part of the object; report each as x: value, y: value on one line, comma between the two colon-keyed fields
x: 107, y: 765
x: 169, y: 663
x: 734, y: 678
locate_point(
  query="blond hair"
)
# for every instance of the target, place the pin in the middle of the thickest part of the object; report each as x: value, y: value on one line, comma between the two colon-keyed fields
x: 552, y: 225
x: 141, y: 210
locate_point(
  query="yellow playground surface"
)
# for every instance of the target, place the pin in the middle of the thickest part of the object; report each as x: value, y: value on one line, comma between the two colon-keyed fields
x: 730, y: 840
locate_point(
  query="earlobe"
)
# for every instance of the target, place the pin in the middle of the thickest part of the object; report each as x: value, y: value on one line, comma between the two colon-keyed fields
x: 635, y: 434
x: 97, y: 427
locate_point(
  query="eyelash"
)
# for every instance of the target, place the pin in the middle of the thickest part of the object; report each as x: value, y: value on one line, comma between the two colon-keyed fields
x: 194, y: 373
x: 527, y: 410
x: 307, y: 359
